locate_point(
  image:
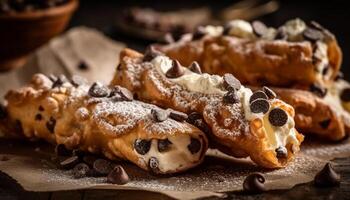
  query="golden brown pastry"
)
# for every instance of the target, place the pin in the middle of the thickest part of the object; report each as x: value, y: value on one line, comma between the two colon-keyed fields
x: 103, y: 120
x: 237, y: 121
x: 293, y: 54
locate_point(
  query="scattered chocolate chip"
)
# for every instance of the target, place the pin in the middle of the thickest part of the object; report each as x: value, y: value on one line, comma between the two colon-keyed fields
x: 50, y: 125
x: 81, y: 170
x: 194, y: 146
x: 192, y: 117
x: 178, y: 116
x: 70, y: 162
x: 4, y: 158
x: 312, y: 34
x: 118, y: 176
x: 199, y: 33
x: 163, y: 145
x: 327, y: 177
x: 61, y: 150
x: 345, y: 95
x: 195, y: 68
x: 102, y: 166
x: 230, y: 97
x: 339, y: 76
x: 125, y: 94
x: 259, y: 28
x: 281, y: 152
x: 175, y: 71
x: 278, y: 117
x: 3, y: 112
x: 270, y: 93
x: 159, y: 115
x: 260, y: 106
x: 325, y: 123
x: 83, y: 66
x: 318, y: 90
x: 231, y: 83
x: 153, y: 164
x: 89, y: 159
x: 258, y: 95
x: 254, y: 183
x: 60, y: 80
x: 197, y: 120
x: 38, y: 117
x: 151, y: 53
x: 142, y: 146
x: 98, y: 90
x: 18, y: 127
x: 41, y: 108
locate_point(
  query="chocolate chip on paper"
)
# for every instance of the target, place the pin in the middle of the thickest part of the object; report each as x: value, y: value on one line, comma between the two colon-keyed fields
x: 254, y: 183
x: 81, y: 170
x: 102, y: 166
x: 327, y: 177
x: 118, y: 176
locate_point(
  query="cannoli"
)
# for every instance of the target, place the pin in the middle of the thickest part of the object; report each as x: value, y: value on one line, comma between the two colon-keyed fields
x: 293, y: 54
x: 238, y: 122
x: 106, y: 120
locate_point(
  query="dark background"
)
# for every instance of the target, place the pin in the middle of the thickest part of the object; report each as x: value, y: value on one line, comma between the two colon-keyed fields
x: 334, y: 15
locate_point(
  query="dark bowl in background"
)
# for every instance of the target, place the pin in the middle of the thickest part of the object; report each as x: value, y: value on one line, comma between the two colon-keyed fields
x: 23, y: 32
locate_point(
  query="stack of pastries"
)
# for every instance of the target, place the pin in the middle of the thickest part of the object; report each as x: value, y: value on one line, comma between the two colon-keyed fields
x: 166, y: 107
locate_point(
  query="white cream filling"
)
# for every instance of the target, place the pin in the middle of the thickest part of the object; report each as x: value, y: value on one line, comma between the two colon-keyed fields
x: 177, y: 157
x: 294, y: 29
x: 240, y: 28
x: 213, y: 84
x: 214, y: 30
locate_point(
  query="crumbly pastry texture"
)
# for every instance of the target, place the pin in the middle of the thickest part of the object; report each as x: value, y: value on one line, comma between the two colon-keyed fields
x: 237, y: 121
x: 105, y: 120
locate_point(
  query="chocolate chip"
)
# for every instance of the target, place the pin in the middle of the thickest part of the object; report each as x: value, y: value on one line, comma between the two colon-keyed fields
x: 125, y: 94
x: 81, y: 170
x: 192, y: 117
x: 154, y: 164
x: 197, y: 120
x: 270, y: 93
x: 83, y: 66
x: 61, y: 150
x: 102, y: 166
x: 52, y: 77
x: 339, y: 76
x: 89, y: 159
x: 98, y: 90
x: 121, y: 94
x: 151, y: 53
x: 195, y: 68
x: 278, y: 117
x: 50, y: 125
x: 254, y: 183
x: 281, y: 152
x: 318, y: 90
x: 159, y: 115
x: 199, y: 33
x: 194, y: 146
x: 345, y: 95
x: 230, y: 97
x: 142, y: 146
x: 178, y: 116
x: 60, y: 80
x: 118, y: 176
x: 41, y: 108
x: 175, y: 71
x: 70, y: 162
x: 258, y: 95
x: 325, y: 70
x: 325, y: 123
x: 259, y: 28
x: 163, y: 145
x: 231, y: 83
x: 260, y: 106
x: 327, y: 177
x: 3, y: 112
x: 38, y: 117
x: 312, y: 34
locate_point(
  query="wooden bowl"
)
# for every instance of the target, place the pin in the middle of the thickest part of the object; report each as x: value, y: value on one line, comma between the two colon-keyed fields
x: 23, y: 32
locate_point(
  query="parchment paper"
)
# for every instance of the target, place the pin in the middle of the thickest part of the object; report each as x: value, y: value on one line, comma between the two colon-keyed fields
x: 31, y: 164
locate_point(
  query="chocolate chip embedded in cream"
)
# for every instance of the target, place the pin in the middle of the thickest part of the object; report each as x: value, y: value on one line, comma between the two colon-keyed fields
x: 270, y: 93
x: 70, y: 162
x: 278, y: 117
x: 50, y: 125
x: 61, y: 150
x: 151, y: 53
x: 194, y: 146
x: 258, y: 95
x: 231, y: 97
x: 195, y: 68
x: 163, y: 145
x: 175, y: 71
x: 260, y: 106
x: 231, y: 83
x: 318, y: 90
x: 81, y: 170
x: 312, y: 34
x: 345, y: 95
x: 153, y: 163
x: 159, y: 115
x: 259, y: 28
x: 281, y: 152
x: 325, y: 123
x: 142, y: 146
x: 121, y: 94
x: 327, y: 177
x: 178, y: 116
x: 98, y: 90
x: 118, y: 176
x: 102, y: 166
x: 60, y: 80
x: 254, y: 183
